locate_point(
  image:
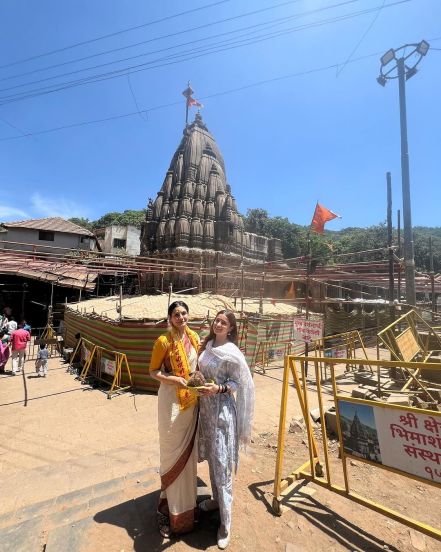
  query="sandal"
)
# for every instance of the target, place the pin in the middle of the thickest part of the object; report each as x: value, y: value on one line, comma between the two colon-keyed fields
x: 208, y: 505
x: 163, y: 525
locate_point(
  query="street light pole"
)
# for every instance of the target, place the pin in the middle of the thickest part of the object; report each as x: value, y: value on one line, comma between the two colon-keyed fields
x: 409, y: 259
x: 401, y: 64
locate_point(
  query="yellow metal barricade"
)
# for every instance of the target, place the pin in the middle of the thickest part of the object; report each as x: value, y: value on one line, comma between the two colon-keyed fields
x: 108, y: 366
x: 366, y: 437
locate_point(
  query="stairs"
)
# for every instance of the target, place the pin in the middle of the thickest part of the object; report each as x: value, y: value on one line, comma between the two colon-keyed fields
x: 63, y: 523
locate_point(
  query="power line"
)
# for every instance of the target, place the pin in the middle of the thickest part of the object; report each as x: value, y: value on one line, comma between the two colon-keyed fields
x: 171, y: 35
x: 144, y: 66
x: 372, y: 23
x: 173, y: 104
x: 90, y: 41
x: 214, y: 95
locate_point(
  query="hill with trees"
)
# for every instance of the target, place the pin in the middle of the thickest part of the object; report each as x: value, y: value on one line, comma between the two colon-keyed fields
x: 294, y: 237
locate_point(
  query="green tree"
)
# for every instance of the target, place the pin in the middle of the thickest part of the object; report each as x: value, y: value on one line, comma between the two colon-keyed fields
x: 81, y: 221
x: 130, y: 216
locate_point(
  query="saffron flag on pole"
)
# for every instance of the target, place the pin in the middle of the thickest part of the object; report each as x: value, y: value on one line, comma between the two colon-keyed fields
x: 192, y: 102
x: 321, y: 216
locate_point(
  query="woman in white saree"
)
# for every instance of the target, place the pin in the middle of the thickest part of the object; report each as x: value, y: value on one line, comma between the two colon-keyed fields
x: 225, y: 420
x: 174, y: 358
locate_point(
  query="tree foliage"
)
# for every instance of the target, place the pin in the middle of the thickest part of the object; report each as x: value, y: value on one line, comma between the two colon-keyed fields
x: 358, y: 241
x: 355, y: 243
x: 83, y: 222
x: 129, y: 216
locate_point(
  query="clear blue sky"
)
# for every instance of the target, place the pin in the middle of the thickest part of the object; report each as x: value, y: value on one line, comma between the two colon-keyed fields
x: 288, y: 143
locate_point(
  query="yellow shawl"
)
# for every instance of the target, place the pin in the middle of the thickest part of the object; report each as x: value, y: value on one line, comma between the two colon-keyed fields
x: 181, y: 366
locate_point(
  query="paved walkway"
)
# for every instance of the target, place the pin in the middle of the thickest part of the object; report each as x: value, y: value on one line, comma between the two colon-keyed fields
x: 70, y: 459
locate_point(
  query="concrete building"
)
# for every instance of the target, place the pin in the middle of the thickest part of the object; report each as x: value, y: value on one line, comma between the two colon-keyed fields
x: 47, y: 234
x: 119, y: 239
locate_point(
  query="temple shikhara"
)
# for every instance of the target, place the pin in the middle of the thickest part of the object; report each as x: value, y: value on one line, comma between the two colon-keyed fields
x: 194, y: 216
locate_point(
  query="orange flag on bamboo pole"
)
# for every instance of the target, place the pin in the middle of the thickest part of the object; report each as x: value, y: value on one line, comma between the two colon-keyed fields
x: 320, y: 217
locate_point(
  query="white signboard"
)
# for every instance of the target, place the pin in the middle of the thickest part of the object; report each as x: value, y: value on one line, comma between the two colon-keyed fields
x: 307, y: 330
x: 85, y: 353
x: 109, y: 366
x: 403, y: 439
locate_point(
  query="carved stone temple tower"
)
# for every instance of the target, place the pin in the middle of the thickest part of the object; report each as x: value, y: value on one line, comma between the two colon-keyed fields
x: 194, y: 216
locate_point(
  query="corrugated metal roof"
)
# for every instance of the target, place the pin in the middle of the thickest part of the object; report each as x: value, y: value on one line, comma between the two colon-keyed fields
x: 46, y: 271
x: 54, y: 224
x: 154, y: 307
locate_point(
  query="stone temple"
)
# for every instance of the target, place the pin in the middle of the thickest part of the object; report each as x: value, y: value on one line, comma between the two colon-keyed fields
x: 194, y: 216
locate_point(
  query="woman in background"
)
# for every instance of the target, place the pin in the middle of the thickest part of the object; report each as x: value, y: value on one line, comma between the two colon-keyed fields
x: 4, y: 350
x: 174, y: 358
x: 225, y: 421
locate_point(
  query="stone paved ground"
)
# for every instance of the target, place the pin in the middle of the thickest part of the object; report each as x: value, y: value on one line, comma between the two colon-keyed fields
x: 78, y: 473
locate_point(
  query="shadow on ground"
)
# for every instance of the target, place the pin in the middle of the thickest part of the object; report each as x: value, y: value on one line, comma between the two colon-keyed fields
x: 340, y: 529
x: 138, y: 518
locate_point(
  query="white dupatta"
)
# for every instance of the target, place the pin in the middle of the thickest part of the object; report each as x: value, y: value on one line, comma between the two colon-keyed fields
x: 245, y: 390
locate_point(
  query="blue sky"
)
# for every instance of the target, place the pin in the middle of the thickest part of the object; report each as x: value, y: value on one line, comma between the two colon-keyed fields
x: 329, y: 135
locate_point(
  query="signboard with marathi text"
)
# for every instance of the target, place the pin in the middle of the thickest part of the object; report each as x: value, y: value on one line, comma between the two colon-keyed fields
x: 307, y: 330
x: 109, y: 366
x: 400, y: 438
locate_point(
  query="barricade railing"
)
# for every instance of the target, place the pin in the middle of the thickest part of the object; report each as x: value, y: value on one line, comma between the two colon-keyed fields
x: 103, y: 365
x: 400, y: 439
x: 46, y: 335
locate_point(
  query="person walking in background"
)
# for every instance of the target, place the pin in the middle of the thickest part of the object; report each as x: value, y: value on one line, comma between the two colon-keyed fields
x: 4, y: 350
x: 174, y: 358
x: 225, y: 421
x: 19, y: 341
x: 26, y: 326
x: 4, y: 318
x: 42, y: 360
x: 11, y: 325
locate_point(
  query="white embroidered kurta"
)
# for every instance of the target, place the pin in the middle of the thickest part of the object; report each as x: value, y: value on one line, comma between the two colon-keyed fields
x: 219, y: 431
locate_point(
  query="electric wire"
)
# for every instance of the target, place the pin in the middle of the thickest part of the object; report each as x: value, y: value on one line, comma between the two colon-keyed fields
x: 170, y: 35
x: 176, y: 103
x: 109, y: 35
x: 142, y: 67
x: 262, y: 24
x: 372, y: 23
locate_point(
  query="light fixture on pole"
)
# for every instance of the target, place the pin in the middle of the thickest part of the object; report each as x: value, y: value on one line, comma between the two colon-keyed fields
x: 401, y: 64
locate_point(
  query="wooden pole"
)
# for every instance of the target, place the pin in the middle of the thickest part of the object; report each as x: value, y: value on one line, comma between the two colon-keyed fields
x: 170, y: 290
x: 216, y: 273
x: 120, y: 302
x: 262, y: 288
x: 432, y: 279
x: 399, y: 253
x: 241, y: 288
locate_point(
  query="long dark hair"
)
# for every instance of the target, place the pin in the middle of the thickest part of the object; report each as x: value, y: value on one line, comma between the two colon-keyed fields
x: 232, y: 336
x: 175, y: 304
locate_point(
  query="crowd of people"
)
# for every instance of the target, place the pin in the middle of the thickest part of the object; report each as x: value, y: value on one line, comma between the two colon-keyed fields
x: 14, y: 339
x: 211, y: 425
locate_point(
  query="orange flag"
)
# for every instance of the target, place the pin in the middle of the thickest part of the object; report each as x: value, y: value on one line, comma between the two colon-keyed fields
x: 321, y: 216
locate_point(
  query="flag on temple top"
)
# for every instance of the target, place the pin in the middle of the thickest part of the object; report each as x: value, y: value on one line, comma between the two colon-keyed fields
x: 321, y: 216
x: 192, y: 102
x: 291, y: 293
